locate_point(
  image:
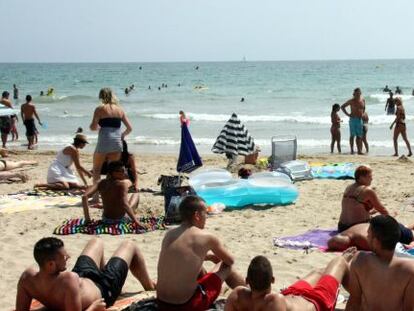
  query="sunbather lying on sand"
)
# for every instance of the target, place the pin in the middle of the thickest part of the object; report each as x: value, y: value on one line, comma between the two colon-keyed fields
x: 8, y: 165
x: 89, y: 286
x: 359, y: 202
x: 183, y: 284
x: 316, y: 292
x: 10, y: 176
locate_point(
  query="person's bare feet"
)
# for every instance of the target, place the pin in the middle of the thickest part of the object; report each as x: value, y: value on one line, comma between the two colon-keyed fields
x: 23, y: 177
x: 395, y: 155
x: 410, y: 154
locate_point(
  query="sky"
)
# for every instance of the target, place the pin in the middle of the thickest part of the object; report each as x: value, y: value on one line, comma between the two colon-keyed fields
x: 204, y: 30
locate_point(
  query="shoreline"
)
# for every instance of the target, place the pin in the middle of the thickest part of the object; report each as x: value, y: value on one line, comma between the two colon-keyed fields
x: 246, y: 233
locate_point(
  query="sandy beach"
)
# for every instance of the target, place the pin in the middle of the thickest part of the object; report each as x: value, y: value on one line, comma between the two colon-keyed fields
x: 246, y: 233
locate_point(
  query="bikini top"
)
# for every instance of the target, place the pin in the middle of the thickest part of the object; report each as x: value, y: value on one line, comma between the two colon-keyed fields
x: 356, y: 196
x: 110, y: 122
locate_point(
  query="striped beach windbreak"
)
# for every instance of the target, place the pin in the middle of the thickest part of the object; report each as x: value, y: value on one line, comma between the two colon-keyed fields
x: 234, y: 139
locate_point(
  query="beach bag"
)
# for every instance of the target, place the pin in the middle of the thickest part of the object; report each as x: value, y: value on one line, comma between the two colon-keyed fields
x: 173, y: 198
x: 170, y: 181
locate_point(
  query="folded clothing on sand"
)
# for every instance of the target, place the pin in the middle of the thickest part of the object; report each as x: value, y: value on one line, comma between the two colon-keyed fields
x: 79, y: 225
x: 316, y: 238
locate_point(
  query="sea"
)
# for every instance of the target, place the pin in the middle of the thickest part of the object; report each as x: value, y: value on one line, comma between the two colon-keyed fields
x: 280, y: 98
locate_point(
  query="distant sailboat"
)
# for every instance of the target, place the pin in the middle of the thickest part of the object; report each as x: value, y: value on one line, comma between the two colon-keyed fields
x: 244, y: 59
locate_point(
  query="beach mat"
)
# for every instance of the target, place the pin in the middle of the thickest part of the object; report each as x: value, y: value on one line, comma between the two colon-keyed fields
x: 79, y: 225
x: 343, y: 170
x: 317, y: 238
x: 23, y: 202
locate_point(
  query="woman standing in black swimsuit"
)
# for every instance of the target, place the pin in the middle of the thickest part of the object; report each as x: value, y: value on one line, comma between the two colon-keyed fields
x: 400, y: 127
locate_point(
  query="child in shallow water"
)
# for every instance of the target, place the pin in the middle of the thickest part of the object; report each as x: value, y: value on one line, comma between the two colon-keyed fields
x: 335, y: 128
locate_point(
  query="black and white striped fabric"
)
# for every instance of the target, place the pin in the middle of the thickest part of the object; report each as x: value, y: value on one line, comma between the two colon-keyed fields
x: 234, y: 139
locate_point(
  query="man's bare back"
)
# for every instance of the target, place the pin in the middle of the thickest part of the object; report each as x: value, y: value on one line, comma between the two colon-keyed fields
x: 28, y: 111
x: 114, y: 195
x: 182, y: 255
x: 183, y: 284
x: 374, y: 277
x: 67, y: 285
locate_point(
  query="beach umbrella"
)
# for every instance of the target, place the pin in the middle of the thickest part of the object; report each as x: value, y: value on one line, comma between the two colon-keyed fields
x: 234, y: 139
x: 189, y: 159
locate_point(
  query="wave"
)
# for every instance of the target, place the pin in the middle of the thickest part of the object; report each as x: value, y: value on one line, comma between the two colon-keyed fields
x: 64, y: 98
x: 61, y: 140
x: 382, y: 97
x: 244, y: 118
x: 145, y: 140
x: 325, y: 120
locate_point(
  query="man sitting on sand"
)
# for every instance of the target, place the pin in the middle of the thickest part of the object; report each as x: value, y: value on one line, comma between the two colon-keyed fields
x: 316, y: 292
x: 90, y: 286
x: 182, y: 283
x: 379, y: 280
x: 357, y: 104
x: 359, y: 202
x: 114, y: 193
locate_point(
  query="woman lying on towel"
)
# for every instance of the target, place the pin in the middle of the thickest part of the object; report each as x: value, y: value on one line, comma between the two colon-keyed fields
x: 359, y: 202
x: 60, y: 175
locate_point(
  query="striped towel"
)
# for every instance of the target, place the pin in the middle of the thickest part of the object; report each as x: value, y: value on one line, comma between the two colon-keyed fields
x: 79, y: 225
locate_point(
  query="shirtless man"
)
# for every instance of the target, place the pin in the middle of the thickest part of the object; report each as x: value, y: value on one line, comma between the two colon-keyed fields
x: 90, y: 286
x: 379, y: 280
x: 359, y: 202
x: 5, y: 121
x: 316, y: 292
x: 114, y: 193
x: 28, y: 112
x: 357, y: 104
x: 182, y: 283
x: 390, y: 104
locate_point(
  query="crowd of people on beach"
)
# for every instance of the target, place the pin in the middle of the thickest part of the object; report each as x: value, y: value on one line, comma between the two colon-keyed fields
x: 182, y: 282
x: 358, y: 122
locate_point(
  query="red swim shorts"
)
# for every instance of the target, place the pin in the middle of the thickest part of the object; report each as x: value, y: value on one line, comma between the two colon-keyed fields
x: 323, y: 295
x: 208, y: 289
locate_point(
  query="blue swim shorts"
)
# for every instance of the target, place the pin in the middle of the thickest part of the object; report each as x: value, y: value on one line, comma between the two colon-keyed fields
x: 356, y: 126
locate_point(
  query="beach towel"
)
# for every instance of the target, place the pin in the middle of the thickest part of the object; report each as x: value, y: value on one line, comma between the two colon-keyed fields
x: 151, y: 305
x: 79, y: 225
x: 189, y: 159
x: 121, y: 303
x: 24, y: 202
x: 317, y: 238
x: 333, y: 170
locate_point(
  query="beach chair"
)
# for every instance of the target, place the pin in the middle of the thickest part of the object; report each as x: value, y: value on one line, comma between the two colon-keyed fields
x: 284, y: 148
